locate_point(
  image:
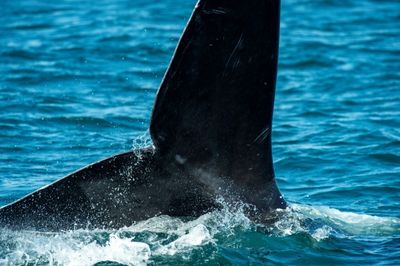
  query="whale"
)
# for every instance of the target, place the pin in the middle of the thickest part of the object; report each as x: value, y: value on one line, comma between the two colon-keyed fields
x: 210, y: 128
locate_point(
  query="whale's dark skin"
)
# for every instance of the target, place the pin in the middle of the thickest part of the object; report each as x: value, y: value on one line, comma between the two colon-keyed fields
x: 210, y: 126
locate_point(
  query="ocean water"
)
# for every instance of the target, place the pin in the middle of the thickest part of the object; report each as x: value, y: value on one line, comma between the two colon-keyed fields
x: 77, y: 84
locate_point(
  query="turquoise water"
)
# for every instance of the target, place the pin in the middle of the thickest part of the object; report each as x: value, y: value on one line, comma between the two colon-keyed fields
x: 77, y: 83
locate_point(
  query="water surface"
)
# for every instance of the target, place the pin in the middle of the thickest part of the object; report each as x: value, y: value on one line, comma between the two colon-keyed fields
x: 77, y: 84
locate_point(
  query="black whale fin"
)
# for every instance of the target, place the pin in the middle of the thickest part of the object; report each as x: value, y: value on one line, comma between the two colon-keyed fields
x: 210, y: 126
x: 214, y: 108
x: 104, y: 194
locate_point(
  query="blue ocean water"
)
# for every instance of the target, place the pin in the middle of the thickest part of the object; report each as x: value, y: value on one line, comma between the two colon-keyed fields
x: 77, y: 84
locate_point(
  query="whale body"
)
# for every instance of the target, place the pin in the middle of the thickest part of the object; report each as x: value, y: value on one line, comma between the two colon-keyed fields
x: 210, y: 126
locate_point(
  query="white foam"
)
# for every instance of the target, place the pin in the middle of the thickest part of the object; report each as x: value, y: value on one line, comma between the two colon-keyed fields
x: 158, y: 224
x: 322, y: 233
x: 117, y: 249
x: 325, y: 221
x: 196, y: 236
x: 71, y: 249
x: 134, y: 245
x: 168, y: 236
x: 350, y: 222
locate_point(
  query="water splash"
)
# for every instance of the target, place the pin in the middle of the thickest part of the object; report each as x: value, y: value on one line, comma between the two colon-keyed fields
x: 170, y: 237
x: 350, y: 222
x: 196, y: 236
x: 321, y: 222
x: 140, y: 141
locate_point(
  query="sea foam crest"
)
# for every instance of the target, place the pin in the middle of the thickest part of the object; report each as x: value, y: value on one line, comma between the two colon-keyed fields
x: 165, y: 236
x: 134, y: 245
x: 350, y: 222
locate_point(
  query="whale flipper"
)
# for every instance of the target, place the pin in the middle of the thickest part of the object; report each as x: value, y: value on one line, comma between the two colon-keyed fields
x: 210, y: 126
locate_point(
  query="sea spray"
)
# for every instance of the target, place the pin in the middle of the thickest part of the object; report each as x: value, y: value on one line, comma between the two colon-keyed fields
x: 214, y: 236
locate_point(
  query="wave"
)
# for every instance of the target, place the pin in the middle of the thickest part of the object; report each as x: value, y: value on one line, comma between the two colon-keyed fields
x: 333, y: 220
x: 164, y: 236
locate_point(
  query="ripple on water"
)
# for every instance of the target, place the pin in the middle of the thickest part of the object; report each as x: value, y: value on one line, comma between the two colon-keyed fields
x: 78, y: 81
